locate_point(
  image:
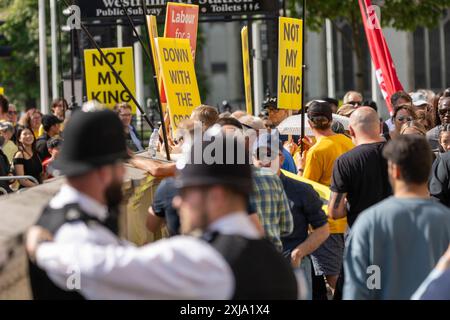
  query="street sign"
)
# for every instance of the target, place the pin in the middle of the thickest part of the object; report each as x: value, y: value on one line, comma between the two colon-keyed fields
x: 290, y: 63
x: 101, y: 84
x: 180, y: 80
x: 104, y: 9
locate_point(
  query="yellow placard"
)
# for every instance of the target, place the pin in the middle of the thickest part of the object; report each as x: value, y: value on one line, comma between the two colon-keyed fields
x: 290, y: 63
x: 101, y: 84
x: 153, y: 34
x: 180, y: 80
x: 246, y: 67
x: 2, y: 91
x: 336, y: 226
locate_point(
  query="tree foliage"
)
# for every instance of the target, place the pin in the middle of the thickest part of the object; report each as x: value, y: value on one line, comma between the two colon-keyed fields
x: 19, y: 72
x: 405, y: 15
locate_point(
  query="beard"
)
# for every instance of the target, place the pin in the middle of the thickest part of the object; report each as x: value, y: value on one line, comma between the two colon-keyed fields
x: 113, y: 194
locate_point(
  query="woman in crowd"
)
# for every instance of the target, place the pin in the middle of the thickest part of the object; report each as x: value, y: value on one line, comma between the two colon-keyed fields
x: 402, y: 114
x: 33, y: 120
x: 26, y: 161
x: 413, y: 127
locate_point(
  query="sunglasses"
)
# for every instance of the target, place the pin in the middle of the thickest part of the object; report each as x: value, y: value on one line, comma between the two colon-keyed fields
x: 12, y: 112
x: 444, y: 111
x: 405, y: 118
x: 355, y: 103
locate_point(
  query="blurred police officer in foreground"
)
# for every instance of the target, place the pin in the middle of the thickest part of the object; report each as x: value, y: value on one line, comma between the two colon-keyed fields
x: 87, y: 204
x: 229, y: 260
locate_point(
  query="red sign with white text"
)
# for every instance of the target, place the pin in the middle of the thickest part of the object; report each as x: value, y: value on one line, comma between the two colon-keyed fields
x: 182, y: 23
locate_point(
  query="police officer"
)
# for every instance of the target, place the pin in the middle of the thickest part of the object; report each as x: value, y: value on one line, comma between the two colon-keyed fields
x: 91, y: 158
x: 229, y: 260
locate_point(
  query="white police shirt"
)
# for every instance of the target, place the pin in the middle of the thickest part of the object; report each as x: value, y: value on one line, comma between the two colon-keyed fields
x: 94, y: 261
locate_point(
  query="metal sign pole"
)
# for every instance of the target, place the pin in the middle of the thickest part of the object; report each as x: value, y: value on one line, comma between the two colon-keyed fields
x: 149, y: 57
x: 115, y: 73
x: 303, y: 80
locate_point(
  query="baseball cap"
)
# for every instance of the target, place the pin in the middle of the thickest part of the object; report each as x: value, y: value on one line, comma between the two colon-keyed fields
x: 418, y: 99
x: 320, y: 108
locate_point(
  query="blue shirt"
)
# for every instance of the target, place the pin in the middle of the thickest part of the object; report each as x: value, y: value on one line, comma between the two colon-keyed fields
x: 398, y: 241
x: 288, y: 163
x: 306, y: 208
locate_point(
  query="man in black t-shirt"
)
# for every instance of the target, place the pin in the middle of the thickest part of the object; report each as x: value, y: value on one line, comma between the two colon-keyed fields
x: 360, y: 175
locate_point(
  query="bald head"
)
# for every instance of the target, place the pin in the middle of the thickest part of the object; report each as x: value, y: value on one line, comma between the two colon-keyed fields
x: 365, y: 121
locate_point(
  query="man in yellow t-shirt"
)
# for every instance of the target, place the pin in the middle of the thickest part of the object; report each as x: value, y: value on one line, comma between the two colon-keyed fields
x: 318, y: 166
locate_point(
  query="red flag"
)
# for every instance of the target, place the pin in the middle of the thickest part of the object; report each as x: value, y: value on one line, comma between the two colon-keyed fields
x: 379, y: 50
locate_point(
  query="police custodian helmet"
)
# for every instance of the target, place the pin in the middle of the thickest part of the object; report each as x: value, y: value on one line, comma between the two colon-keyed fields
x: 227, y: 166
x: 91, y: 140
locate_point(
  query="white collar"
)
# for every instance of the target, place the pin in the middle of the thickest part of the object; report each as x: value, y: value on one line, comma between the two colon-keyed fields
x: 68, y: 195
x: 236, y: 223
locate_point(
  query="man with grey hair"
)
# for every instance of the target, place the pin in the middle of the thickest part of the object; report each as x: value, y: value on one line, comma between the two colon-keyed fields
x: 359, y: 175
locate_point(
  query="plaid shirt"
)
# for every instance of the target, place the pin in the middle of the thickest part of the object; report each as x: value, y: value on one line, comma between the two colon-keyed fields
x: 272, y: 205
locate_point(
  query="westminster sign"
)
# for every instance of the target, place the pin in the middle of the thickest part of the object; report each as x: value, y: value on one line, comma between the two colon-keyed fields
x: 103, y: 9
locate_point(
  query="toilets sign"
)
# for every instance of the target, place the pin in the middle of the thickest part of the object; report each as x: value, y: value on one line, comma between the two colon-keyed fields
x: 103, y: 9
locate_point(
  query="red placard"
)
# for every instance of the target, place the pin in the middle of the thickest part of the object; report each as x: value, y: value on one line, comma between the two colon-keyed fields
x: 182, y: 23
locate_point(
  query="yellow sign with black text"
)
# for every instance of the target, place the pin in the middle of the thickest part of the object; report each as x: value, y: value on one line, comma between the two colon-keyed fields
x: 246, y: 67
x: 180, y: 80
x: 290, y: 63
x: 101, y: 84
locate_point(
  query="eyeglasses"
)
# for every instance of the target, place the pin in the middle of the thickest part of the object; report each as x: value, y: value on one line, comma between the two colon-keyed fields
x: 12, y: 113
x: 405, y: 118
x: 355, y: 103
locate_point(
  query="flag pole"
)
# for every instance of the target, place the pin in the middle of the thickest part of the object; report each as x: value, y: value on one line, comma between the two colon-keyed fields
x: 111, y: 67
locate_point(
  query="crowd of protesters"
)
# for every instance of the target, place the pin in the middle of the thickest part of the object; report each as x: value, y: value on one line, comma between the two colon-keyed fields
x: 381, y: 233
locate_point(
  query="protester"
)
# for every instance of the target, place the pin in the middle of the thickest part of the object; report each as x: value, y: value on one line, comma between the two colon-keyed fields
x: 4, y: 104
x: 58, y: 108
x: 333, y: 102
x: 9, y: 147
x: 402, y: 114
x: 346, y: 110
x: 53, y: 146
x: 12, y: 114
x: 444, y: 116
x: 354, y: 98
x: 34, y: 122
x: 397, y: 99
x: 440, y: 174
x: 276, y: 116
x: 317, y: 165
x: 4, y: 169
x: 124, y: 111
x: 444, y: 138
x: 437, y: 285
x: 27, y: 161
x: 306, y: 208
x: 51, y: 125
x: 213, y: 199
x: 394, y: 244
x: 239, y: 114
x: 413, y: 127
x: 162, y: 212
x: 360, y: 177
x: 207, y: 115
